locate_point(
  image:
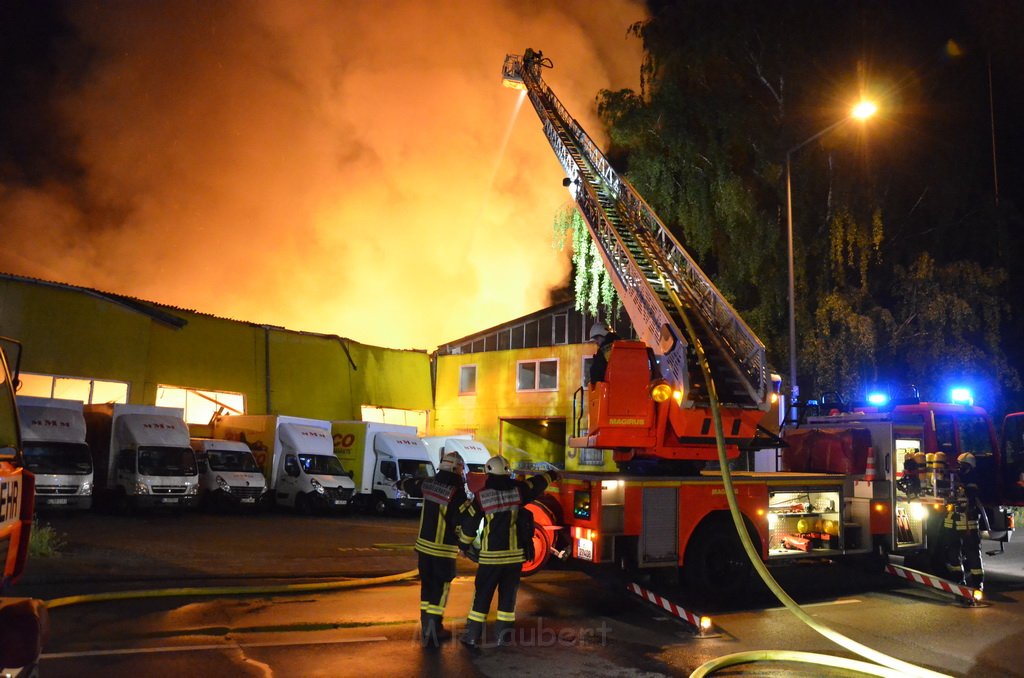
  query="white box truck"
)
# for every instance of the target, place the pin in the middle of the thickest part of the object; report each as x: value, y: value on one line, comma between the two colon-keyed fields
x: 141, y: 455
x: 229, y: 477
x: 53, y: 434
x: 296, y: 457
x: 379, y: 455
x: 473, y: 452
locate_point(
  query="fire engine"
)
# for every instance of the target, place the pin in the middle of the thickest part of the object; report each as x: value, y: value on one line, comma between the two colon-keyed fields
x: 23, y: 620
x: 666, y: 507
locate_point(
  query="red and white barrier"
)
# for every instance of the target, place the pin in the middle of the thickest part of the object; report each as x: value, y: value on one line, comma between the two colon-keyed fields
x: 931, y: 581
x: 670, y: 607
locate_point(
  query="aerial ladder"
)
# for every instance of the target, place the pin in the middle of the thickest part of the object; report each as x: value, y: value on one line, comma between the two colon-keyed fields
x: 654, y: 407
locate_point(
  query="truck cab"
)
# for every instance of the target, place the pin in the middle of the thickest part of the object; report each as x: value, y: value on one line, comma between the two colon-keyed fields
x: 142, y: 456
x: 229, y: 476
x: 53, y: 433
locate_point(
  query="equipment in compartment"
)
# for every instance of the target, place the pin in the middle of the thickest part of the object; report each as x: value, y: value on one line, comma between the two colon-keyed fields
x: 803, y: 522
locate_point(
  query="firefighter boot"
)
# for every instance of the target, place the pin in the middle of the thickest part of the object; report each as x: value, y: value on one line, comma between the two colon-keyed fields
x: 505, y: 633
x: 433, y: 633
x: 472, y: 635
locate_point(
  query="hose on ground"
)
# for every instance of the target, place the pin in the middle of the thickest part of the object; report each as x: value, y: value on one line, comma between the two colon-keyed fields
x: 895, y: 666
x: 191, y: 592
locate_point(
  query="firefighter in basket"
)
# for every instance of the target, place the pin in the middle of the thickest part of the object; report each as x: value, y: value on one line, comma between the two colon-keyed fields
x: 960, y: 528
x: 506, y: 540
x: 437, y: 541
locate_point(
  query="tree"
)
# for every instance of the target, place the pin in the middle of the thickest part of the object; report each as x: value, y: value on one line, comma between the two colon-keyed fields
x: 729, y: 85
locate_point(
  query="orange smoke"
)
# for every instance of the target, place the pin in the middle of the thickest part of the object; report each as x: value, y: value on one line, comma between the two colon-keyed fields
x: 332, y: 167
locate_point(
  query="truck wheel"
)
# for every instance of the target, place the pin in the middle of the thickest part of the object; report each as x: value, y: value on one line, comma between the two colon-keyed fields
x: 379, y: 504
x: 716, y: 565
x: 302, y: 505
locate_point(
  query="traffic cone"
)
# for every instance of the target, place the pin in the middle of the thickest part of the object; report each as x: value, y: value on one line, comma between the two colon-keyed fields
x: 869, y: 472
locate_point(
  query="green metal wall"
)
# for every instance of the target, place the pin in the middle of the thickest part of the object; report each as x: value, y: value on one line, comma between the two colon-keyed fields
x: 76, y: 332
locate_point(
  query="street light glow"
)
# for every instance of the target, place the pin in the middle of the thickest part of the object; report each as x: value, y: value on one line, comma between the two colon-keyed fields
x: 864, y: 110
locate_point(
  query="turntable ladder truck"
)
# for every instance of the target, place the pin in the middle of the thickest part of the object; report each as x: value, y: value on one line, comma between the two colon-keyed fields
x: 663, y: 509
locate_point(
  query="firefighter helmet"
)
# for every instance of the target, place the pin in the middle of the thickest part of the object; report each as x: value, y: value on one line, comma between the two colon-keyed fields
x: 498, y: 466
x: 598, y: 332
x: 968, y: 459
x: 453, y: 462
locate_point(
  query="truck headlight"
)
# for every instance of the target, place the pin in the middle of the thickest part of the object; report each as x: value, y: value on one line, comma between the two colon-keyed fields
x: 141, y: 488
x: 85, y: 488
x: 191, y: 488
x: 315, y: 484
x: 401, y: 495
x: 222, y: 484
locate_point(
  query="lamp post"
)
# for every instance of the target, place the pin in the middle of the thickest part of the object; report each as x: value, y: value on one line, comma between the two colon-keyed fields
x: 862, y: 111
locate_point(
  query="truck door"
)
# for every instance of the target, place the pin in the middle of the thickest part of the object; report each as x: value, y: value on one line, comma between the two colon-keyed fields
x: 1012, y: 467
x: 290, y: 482
x: 125, y: 469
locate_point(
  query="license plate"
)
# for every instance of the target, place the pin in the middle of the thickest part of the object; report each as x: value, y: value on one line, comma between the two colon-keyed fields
x: 248, y: 500
x: 57, y: 501
x: 169, y: 500
x: 340, y: 502
x: 585, y: 550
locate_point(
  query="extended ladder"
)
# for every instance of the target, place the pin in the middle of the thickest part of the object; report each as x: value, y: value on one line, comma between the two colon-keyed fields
x: 656, y: 279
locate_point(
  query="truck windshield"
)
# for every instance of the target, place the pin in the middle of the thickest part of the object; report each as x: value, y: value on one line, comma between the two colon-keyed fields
x: 167, y: 461
x: 58, y: 458
x: 321, y: 465
x: 411, y: 468
x: 231, y: 460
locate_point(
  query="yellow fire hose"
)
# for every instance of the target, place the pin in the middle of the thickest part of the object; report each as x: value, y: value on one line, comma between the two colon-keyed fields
x: 228, y: 590
x: 884, y: 666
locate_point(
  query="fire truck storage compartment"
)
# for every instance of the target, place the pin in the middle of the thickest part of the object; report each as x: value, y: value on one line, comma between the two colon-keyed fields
x: 659, y: 536
x: 804, y: 521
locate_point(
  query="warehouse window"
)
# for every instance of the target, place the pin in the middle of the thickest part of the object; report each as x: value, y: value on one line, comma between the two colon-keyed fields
x: 392, y: 415
x: 467, y: 380
x: 200, y: 405
x: 537, y: 375
x: 73, y: 388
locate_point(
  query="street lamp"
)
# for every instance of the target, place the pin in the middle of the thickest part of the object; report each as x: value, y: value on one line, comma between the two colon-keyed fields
x: 862, y: 111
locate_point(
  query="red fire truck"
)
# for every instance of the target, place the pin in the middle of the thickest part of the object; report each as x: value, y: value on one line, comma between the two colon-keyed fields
x: 23, y: 621
x: 667, y: 508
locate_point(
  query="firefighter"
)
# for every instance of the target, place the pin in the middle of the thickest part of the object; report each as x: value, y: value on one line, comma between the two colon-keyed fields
x: 604, y: 338
x: 499, y: 506
x: 963, y: 541
x: 437, y: 541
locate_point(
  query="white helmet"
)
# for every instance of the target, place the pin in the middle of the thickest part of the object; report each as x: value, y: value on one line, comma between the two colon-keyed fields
x: 452, y: 461
x: 598, y: 331
x: 967, y: 458
x: 498, y: 466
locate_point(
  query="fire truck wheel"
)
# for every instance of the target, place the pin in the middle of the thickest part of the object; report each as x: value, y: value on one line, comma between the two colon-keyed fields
x: 716, y: 566
x: 541, y: 551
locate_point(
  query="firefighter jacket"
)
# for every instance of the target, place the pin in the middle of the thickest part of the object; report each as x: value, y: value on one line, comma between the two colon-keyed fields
x: 497, y: 506
x: 962, y: 513
x: 442, y: 496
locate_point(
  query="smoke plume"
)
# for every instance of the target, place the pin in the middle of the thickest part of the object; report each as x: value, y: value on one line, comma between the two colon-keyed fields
x: 347, y: 167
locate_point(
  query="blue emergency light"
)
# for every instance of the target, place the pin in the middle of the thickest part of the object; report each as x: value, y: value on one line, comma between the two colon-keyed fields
x: 961, y: 396
x: 878, y: 399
